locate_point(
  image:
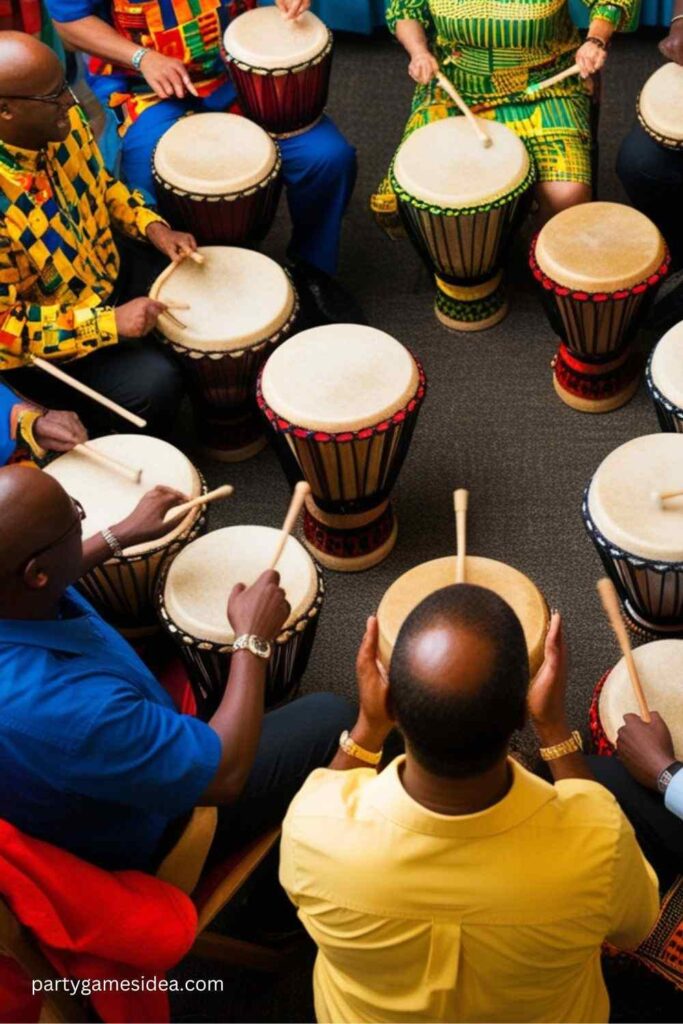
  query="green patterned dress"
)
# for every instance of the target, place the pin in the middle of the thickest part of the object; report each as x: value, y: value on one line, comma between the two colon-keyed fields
x: 491, y: 50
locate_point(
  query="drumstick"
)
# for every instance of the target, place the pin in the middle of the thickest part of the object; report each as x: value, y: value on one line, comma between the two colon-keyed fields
x: 196, y: 256
x: 42, y: 364
x: 610, y: 602
x: 476, y: 122
x: 176, y: 305
x: 554, y: 79
x: 110, y: 462
x: 661, y: 496
x: 460, y: 500
x: 224, y: 491
x: 176, y: 319
x: 298, y: 498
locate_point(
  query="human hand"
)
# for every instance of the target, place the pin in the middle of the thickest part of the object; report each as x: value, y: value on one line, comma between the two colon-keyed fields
x: 146, y: 521
x: 261, y: 609
x: 672, y: 45
x: 174, y: 244
x: 547, y: 693
x: 590, y: 57
x: 645, y: 748
x: 138, y: 317
x: 59, y: 431
x: 167, y: 76
x: 292, y: 8
x: 423, y: 67
x: 373, y: 686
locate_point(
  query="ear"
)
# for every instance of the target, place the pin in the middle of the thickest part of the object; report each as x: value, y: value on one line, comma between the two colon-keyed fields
x: 35, y: 576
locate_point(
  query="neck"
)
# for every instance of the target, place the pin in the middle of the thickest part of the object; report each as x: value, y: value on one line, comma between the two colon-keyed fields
x: 19, y: 139
x: 32, y: 607
x: 456, y: 796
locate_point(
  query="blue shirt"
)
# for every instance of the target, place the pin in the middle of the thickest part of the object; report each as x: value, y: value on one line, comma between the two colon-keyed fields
x: 673, y: 798
x: 8, y: 441
x: 94, y: 756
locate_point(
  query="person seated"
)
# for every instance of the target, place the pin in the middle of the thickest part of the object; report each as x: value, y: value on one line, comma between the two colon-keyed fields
x: 96, y: 758
x: 27, y: 431
x: 647, y: 780
x: 152, y: 75
x: 491, y: 58
x: 456, y: 885
x: 62, y: 290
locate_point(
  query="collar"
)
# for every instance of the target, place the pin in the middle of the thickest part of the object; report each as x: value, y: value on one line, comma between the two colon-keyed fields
x: 20, y: 161
x: 526, y: 796
x: 82, y: 633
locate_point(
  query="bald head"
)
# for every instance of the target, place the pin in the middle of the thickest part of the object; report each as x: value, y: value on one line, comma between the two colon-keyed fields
x: 459, y: 675
x: 28, y: 68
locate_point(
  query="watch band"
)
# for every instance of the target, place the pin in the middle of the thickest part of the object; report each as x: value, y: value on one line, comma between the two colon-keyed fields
x: 665, y: 777
x: 568, y: 746
x: 256, y: 645
x: 676, y: 17
x: 113, y: 542
x: 351, y: 748
x: 597, y: 41
x: 137, y: 58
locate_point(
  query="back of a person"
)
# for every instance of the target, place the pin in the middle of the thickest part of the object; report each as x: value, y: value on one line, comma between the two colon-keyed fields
x: 495, y: 916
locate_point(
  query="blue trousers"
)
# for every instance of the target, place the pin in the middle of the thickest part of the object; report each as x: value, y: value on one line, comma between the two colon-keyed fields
x: 318, y: 166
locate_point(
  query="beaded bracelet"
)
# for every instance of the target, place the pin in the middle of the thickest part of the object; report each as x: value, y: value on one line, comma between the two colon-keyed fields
x: 597, y: 42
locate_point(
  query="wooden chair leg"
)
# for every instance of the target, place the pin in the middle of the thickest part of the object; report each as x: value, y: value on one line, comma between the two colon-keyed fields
x: 238, y: 953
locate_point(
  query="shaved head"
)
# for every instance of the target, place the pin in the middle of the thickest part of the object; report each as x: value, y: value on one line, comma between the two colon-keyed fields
x: 28, y: 68
x: 458, y: 676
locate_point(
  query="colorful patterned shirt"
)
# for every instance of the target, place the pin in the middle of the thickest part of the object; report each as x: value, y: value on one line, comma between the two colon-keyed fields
x: 58, y: 259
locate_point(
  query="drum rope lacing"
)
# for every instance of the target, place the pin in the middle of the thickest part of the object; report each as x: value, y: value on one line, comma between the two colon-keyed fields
x: 598, y: 297
x: 636, y: 561
x: 293, y: 69
x: 493, y: 202
x: 674, y: 410
x: 663, y: 140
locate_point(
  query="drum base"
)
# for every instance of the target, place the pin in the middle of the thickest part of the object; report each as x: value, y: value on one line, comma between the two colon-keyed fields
x: 248, y: 451
x: 646, y: 630
x: 233, y: 436
x: 595, y: 388
x: 471, y: 308
x: 349, y: 543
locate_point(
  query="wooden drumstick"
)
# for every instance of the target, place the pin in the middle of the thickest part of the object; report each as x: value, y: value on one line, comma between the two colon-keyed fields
x: 124, y: 468
x: 42, y: 364
x: 460, y: 501
x: 554, y: 79
x: 661, y: 496
x: 476, y: 122
x: 197, y: 257
x: 295, y: 506
x: 224, y: 491
x: 171, y: 304
x: 610, y: 602
x: 175, y: 319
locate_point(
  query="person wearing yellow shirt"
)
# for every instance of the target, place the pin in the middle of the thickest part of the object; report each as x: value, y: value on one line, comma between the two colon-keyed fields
x: 456, y: 885
x: 63, y: 294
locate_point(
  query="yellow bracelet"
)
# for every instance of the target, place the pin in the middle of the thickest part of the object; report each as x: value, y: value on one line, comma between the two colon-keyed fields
x: 353, y: 750
x: 570, y: 746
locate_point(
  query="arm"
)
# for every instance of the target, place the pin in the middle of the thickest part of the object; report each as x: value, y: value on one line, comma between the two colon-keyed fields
x: 645, y: 749
x: 672, y: 45
x: 634, y: 896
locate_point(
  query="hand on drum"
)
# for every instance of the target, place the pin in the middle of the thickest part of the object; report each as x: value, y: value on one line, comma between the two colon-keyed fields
x: 672, y: 45
x: 645, y: 748
x: 260, y: 609
x: 146, y: 521
x: 590, y: 57
x: 373, y: 685
x: 167, y: 76
x: 174, y: 244
x: 59, y: 431
x: 292, y: 8
x: 546, y: 697
x: 423, y: 67
x: 138, y: 317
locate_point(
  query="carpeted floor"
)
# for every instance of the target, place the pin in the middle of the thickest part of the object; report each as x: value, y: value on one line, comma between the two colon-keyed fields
x: 491, y: 423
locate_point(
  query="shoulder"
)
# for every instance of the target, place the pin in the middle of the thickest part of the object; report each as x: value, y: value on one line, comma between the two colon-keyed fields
x: 331, y: 794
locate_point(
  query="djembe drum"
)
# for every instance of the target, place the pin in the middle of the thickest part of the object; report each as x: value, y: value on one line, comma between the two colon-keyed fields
x: 664, y: 378
x: 660, y: 669
x: 281, y: 69
x: 241, y: 306
x: 638, y: 536
x: 192, y: 599
x: 460, y: 202
x: 218, y: 176
x: 122, y: 589
x: 414, y: 586
x: 660, y: 106
x: 342, y: 402
x: 599, y: 265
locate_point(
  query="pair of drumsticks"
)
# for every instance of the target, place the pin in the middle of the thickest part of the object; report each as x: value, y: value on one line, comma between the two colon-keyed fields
x: 606, y: 590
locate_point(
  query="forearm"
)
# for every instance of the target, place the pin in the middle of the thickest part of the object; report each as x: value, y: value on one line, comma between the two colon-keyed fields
x: 365, y: 735
x: 602, y: 29
x: 238, y: 722
x: 53, y: 331
x: 95, y: 551
x: 412, y: 37
x: 94, y: 36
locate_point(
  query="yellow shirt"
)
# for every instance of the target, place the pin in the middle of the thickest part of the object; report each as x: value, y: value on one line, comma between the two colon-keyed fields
x: 495, y: 916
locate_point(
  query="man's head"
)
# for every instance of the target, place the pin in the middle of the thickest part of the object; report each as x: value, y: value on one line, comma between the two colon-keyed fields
x: 458, y: 680
x: 34, y: 97
x: 41, y: 547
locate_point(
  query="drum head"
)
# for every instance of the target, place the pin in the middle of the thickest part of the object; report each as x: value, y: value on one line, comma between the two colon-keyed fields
x: 214, y: 154
x: 520, y: 593
x: 108, y: 496
x: 660, y: 667
x: 340, y: 377
x: 667, y: 365
x: 661, y: 102
x: 622, y: 498
x: 599, y: 247
x: 444, y: 164
x: 238, y: 299
x: 202, y: 576
x: 263, y: 39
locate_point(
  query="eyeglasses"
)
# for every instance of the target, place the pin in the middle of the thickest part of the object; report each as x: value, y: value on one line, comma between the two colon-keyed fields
x: 79, y: 517
x: 48, y: 97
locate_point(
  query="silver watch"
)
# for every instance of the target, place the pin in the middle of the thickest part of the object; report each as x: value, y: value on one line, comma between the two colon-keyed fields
x: 255, y: 644
x: 665, y: 777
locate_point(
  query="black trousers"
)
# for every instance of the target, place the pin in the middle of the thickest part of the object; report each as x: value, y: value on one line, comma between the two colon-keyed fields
x: 653, y: 178
x: 659, y: 832
x: 140, y: 374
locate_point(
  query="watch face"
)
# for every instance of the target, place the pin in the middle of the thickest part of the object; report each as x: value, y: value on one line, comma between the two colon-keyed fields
x: 259, y: 646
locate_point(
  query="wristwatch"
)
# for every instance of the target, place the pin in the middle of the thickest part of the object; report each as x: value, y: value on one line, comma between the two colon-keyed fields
x: 138, y: 56
x: 569, y: 746
x: 665, y: 777
x: 254, y: 644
